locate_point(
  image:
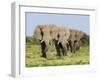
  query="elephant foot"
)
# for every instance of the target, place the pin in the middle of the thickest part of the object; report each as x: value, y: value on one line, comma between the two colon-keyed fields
x: 65, y: 55
x: 74, y: 52
x: 57, y: 54
x: 44, y: 56
x: 59, y: 57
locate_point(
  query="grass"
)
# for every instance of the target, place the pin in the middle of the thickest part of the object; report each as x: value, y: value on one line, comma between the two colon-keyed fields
x: 34, y: 59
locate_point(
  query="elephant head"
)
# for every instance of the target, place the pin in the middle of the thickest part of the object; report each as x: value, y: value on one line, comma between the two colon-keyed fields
x: 37, y: 33
x: 64, y: 34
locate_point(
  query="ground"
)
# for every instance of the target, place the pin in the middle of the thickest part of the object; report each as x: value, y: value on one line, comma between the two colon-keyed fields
x: 34, y: 59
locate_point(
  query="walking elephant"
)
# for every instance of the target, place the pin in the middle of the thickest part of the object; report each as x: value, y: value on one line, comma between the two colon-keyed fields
x: 75, y: 39
x: 63, y: 36
x: 44, y: 33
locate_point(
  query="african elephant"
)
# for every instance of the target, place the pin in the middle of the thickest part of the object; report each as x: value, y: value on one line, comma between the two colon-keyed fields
x: 59, y: 36
x: 45, y: 33
x: 63, y: 36
x: 75, y: 39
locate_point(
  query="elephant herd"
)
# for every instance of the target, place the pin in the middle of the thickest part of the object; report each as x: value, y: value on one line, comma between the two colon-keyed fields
x: 64, y: 39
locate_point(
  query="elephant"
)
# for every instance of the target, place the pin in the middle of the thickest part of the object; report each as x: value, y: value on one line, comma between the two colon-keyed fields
x: 75, y: 39
x: 45, y: 34
x: 63, y: 36
x: 59, y: 36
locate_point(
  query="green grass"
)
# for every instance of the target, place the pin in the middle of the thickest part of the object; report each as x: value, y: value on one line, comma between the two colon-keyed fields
x: 33, y: 57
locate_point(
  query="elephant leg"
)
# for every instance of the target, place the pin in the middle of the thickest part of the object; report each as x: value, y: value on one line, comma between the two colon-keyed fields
x: 57, y: 48
x: 64, y: 50
x: 44, y: 49
x: 68, y: 46
x: 77, y: 45
x: 72, y: 46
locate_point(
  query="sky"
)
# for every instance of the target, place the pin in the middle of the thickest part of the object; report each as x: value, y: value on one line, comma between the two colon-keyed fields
x: 79, y: 22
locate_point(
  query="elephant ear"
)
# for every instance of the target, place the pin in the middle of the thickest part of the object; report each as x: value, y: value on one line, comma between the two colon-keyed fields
x: 81, y: 35
x: 37, y: 32
x: 43, y: 32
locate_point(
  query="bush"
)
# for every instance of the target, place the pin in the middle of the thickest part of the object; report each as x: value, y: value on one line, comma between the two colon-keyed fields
x: 86, y: 40
x: 30, y: 40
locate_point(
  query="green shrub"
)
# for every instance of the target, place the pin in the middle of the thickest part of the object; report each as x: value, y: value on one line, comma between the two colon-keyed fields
x: 30, y: 40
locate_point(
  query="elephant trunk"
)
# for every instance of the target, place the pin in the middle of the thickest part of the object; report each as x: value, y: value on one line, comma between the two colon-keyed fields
x: 62, y: 41
x: 41, y: 41
x: 47, y: 42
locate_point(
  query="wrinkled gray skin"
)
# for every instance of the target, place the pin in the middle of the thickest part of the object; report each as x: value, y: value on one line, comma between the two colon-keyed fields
x: 49, y: 33
x: 75, y: 40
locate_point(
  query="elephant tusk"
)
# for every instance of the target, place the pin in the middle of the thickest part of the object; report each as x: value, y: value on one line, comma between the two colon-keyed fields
x: 42, y: 41
x: 58, y: 42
